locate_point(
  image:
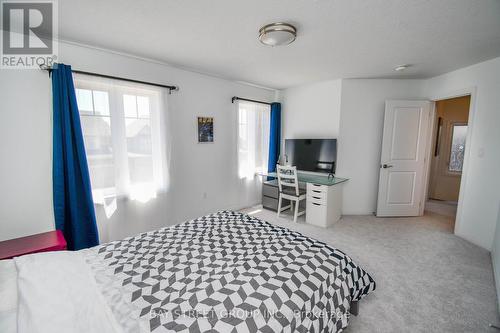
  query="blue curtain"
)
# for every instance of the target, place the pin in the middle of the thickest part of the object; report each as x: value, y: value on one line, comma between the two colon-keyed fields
x: 73, y: 206
x: 275, y: 137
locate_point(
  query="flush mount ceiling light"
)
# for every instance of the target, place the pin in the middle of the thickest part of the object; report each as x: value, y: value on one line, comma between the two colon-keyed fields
x: 276, y: 34
x: 401, y: 67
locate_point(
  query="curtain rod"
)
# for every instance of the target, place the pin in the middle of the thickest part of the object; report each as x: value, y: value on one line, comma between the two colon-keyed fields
x: 236, y: 98
x: 170, y: 88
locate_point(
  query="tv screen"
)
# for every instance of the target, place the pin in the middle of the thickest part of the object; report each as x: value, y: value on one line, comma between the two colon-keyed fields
x: 317, y: 155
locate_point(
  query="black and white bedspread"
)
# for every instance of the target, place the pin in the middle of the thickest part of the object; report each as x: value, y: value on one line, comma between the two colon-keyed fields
x: 225, y: 272
x: 228, y: 272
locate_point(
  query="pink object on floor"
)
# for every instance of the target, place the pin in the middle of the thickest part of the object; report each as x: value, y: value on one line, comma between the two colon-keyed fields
x: 47, y: 241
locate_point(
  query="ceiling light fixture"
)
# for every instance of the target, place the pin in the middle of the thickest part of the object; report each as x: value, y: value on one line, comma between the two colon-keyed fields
x: 401, y: 67
x: 276, y: 34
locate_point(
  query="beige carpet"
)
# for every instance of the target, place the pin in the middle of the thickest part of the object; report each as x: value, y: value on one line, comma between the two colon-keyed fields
x: 441, y: 207
x: 428, y: 280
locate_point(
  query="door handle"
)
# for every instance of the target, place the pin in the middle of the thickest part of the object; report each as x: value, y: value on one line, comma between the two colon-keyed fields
x: 385, y: 166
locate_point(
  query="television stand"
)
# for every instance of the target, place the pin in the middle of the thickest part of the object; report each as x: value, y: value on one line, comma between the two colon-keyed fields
x: 323, y: 196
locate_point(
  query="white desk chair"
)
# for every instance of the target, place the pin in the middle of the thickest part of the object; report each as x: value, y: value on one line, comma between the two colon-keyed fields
x: 289, y: 189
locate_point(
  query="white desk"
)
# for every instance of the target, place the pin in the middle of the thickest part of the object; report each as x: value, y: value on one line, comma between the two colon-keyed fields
x: 323, y: 197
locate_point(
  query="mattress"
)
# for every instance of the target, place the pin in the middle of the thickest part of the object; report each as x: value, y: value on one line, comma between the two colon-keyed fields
x: 224, y: 272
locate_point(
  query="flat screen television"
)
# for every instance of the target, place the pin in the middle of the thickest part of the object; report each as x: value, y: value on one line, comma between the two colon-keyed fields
x: 317, y: 155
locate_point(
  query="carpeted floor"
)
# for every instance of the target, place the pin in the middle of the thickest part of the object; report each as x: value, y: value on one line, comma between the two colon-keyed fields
x: 447, y: 208
x: 428, y: 280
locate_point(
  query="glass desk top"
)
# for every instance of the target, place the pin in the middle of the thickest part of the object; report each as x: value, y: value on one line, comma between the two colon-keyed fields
x: 305, y: 177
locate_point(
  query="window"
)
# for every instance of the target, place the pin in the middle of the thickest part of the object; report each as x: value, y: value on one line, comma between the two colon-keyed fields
x: 121, y: 130
x: 138, y: 135
x: 459, y: 133
x: 253, y: 138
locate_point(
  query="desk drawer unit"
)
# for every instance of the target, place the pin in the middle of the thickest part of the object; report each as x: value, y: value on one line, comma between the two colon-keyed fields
x: 270, y: 195
x: 314, y: 193
x: 316, y: 213
x: 324, y: 204
x: 317, y: 187
x: 270, y: 191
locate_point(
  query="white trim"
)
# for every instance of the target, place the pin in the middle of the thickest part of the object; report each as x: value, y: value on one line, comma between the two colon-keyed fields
x: 472, y: 91
x: 428, y: 158
x: 455, y: 93
x: 162, y: 63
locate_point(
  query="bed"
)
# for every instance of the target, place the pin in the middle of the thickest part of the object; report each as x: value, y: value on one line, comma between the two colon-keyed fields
x: 224, y: 272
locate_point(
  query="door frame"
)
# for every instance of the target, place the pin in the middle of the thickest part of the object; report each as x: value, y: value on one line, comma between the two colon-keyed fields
x: 472, y: 91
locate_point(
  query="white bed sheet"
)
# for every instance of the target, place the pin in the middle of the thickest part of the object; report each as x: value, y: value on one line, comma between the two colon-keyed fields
x: 57, y: 293
x: 8, y: 295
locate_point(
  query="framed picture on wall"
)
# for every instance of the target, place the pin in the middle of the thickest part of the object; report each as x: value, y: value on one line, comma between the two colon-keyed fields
x: 205, y: 129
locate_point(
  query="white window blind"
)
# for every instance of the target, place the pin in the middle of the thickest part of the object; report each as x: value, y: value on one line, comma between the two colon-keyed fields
x: 121, y: 125
x: 253, y: 138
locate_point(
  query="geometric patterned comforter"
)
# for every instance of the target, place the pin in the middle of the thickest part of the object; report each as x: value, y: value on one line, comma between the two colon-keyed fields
x: 227, y: 272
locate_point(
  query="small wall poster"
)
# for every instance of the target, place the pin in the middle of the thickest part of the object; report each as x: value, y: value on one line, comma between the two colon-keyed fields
x: 205, y: 129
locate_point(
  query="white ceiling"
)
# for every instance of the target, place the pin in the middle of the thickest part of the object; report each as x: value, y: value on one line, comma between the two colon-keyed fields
x: 336, y: 38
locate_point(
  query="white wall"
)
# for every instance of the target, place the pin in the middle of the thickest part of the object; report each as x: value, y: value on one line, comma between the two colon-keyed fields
x: 352, y: 111
x: 312, y: 111
x: 495, y: 256
x: 360, y: 140
x: 349, y: 109
x: 203, y: 177
x: 480, y: 194
x: 360, y: 135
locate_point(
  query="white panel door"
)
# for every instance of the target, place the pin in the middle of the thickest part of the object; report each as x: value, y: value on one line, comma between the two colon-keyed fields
x: 402, y: 163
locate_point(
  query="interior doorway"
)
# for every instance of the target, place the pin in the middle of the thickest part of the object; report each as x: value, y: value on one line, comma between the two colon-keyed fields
x: 448, y: 152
